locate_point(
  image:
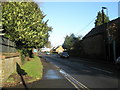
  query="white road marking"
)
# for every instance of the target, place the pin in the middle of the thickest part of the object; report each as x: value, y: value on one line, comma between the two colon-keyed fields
x: 76, y: 83
x: 101, y: 70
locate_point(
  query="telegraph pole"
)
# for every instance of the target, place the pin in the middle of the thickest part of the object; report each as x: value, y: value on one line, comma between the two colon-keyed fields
x: 107, y: 47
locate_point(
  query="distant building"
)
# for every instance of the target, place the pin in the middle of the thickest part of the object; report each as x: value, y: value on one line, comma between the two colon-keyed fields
x: 59, y: 49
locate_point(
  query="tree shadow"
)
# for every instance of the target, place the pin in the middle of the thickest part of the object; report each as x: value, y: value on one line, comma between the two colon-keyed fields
x: 21, y: 72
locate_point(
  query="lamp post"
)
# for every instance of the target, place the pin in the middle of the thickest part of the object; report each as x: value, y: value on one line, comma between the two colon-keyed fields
x: 103, y: 14
x: 107, y: 46
x: 103, y: 21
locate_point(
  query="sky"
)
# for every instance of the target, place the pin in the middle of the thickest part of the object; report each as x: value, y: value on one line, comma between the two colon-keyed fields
x: 74, y: 17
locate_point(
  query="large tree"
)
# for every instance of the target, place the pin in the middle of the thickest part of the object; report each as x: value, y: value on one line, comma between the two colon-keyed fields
x: 73, y: 45
x: 23, y: 23
x: 71, y: 42
x: 100, y: 17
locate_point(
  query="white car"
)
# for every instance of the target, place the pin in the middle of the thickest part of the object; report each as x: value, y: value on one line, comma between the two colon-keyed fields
x: 47, y: 53
x: 118, y: 60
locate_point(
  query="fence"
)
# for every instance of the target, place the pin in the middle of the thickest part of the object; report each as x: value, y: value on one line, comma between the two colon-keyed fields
x: 8, y: 59
x: 6, y: 45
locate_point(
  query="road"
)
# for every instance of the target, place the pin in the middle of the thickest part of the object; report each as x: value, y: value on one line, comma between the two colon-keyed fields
x: 90, y: 74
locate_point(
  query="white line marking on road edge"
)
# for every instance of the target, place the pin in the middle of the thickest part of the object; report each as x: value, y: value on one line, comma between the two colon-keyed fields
x: 67, y: 76
x: 73, y: 81
x: 57, y: 66
x: 101, y: 70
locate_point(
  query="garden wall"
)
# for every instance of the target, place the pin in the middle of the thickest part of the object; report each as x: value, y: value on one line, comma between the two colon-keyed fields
x: 7, y: 67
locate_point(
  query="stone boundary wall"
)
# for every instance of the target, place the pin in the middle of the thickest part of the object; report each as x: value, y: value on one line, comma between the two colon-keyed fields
x: 7, y: 67
x: 93, y: 47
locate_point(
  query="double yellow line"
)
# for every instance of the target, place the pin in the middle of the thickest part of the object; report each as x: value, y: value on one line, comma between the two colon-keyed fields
x: 73, y: 81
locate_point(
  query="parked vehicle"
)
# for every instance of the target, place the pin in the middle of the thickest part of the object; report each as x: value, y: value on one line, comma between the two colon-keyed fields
x: 117, y: 62
x: 47, y: 53
x: 64, y: 55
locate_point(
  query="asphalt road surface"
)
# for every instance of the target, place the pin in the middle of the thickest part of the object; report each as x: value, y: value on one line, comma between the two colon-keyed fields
x: 90, y: 74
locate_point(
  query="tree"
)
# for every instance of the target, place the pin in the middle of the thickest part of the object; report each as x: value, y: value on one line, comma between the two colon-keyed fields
x: 99, y: 20
x: 73, y: 44
x: 48, y: 44
x: 23, y: 23
x: 68, y: 43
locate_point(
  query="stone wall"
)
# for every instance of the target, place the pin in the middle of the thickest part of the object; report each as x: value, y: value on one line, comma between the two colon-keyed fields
x: 1, y: 75
x: 7, y: 67
x: 93, y: 47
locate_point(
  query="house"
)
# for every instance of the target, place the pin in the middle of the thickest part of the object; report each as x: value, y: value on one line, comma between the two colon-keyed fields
x: 59, y: 49
x: 103, y: 42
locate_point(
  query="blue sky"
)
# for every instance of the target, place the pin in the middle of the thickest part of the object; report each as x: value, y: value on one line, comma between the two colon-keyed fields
x: 74, y: 17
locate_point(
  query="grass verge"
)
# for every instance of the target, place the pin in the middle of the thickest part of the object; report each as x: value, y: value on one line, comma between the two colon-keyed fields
x: 32, y: 68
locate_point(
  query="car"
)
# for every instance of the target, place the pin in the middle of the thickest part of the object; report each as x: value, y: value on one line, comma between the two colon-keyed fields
x: 64, y: 55
x: 47, y: 53
x: 117, y: 62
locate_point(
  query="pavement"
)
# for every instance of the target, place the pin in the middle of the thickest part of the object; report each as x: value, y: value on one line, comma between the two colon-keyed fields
x: 52, y: 78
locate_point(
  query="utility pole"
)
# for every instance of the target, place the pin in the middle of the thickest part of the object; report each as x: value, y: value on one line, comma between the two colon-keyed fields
x: 102, y: 16
x: 107, y: 35
x: 105, y: 44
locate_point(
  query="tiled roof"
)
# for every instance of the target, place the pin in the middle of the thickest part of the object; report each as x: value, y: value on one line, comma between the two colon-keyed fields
x: 99, y: 29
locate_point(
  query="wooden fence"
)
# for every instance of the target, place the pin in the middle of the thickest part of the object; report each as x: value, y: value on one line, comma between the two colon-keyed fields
x: 6, y: 45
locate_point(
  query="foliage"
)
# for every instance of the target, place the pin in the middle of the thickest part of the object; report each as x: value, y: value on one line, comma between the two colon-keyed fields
x: 23, y: 23
x: 69, y: 41
x: 114, y: 29
x: 72, y: 44
x: 48, y: 44
x: 99, y: 19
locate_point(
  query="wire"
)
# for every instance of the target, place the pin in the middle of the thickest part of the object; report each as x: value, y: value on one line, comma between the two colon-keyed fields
x: 86, y: 26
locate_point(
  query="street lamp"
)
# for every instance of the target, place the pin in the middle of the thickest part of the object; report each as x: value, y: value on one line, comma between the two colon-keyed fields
x: 103, y: 13
x: 109, y: 38
x: 104, y: 18
x: 108, y: 34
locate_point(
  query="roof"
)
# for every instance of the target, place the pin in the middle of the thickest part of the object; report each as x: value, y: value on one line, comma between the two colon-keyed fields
x: 94, y: 31
x: 100, y: 29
